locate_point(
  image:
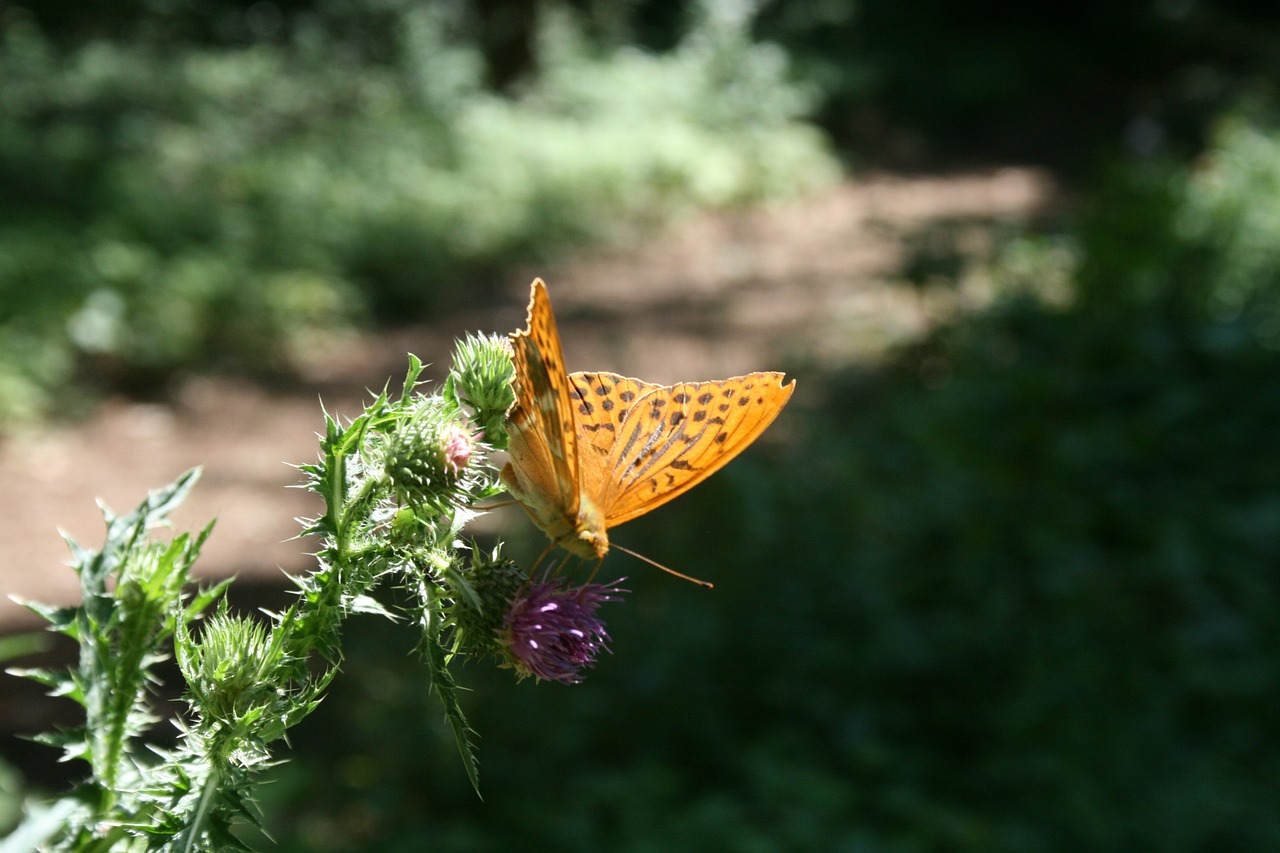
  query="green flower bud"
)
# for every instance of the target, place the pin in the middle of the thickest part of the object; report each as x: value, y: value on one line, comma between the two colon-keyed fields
x: 495, y: 581
x: 234, y: 674
x: 430, y: 453
x: 482, y: 378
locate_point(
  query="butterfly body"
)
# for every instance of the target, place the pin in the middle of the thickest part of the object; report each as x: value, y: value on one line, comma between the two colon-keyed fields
x: 580, y: 532
x: 591, y: 450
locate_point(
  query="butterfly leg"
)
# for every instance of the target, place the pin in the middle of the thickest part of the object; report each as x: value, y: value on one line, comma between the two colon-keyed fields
x: 541, y: 557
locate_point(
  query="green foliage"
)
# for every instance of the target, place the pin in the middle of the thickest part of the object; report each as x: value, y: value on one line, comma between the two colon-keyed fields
x: 1061, y: 566
x: 1197, y: 243
x: 133, y: 593
x: 1005, y: 82
x: 174, y: 205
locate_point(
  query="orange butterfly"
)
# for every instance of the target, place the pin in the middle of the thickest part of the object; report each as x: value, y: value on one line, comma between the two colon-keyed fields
x: 590, y: 451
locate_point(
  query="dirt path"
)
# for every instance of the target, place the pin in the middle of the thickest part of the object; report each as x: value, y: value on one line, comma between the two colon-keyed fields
x: 806, y: 282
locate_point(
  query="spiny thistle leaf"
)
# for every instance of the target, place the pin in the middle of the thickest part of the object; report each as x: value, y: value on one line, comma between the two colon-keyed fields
x: 447, y: 689
x: 61, y: 619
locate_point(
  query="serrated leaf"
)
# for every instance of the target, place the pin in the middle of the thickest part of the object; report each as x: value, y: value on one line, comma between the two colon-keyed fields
x: 411, y: 377
x: 40, y: 675
x: 78, y: 553
x: 447, y: 689
x: 369, y: 605
x: 198, y: 544
x: 61, y: 739
x: 43, y: 822
x: 59, y: 618
x: 160, y: 502
x: 450, y: 391
x: 460, y: 584
x: 206, y: 596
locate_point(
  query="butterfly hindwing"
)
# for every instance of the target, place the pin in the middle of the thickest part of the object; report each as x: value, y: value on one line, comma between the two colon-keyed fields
x: 645, y: 444
x: 600, y: 404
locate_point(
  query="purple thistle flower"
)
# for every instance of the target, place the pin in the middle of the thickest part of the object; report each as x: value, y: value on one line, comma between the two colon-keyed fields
x: 552, y: 631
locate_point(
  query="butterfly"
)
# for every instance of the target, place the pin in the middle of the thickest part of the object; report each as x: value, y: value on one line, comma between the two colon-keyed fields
x: 589, y: 451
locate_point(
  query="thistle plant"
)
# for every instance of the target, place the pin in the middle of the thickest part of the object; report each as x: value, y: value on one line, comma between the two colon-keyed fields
x: 399, y: 483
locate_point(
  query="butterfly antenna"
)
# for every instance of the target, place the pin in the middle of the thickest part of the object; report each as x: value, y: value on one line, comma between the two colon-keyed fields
x: 656, y: 564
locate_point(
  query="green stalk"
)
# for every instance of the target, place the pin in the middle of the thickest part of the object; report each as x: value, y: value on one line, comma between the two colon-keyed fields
x: 195, y: 831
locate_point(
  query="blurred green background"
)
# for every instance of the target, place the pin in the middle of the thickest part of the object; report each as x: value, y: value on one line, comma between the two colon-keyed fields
x: 1014, y: 587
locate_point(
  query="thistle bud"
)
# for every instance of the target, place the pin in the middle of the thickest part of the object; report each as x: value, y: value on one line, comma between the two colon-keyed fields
x: 429, y: 454
x: 493, y: 582
x: 235, y: 675
x: 482, y: 378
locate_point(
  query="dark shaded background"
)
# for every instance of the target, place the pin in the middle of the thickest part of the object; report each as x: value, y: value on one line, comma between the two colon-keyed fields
x: 1012, y: 587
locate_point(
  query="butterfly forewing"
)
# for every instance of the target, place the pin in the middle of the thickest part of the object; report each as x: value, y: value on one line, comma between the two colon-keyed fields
x: 541, y: 422
x: 650, y: 443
